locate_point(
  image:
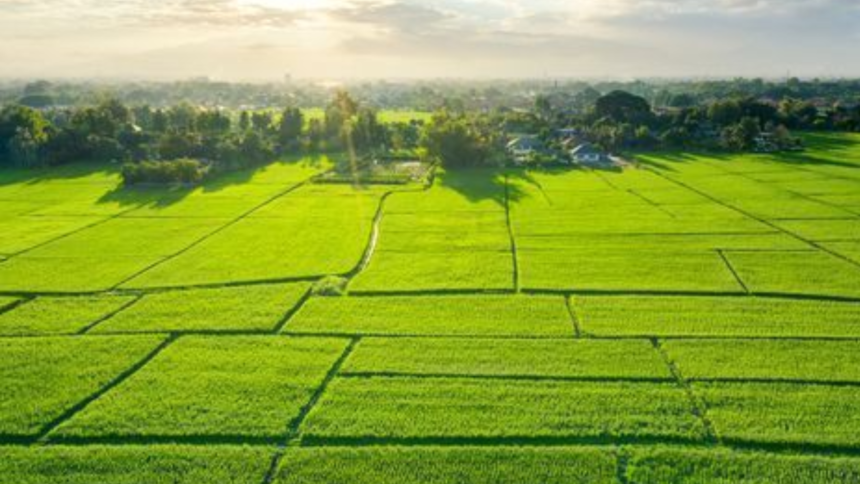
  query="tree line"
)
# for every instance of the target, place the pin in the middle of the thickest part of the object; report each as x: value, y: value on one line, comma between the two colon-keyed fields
x: 220, y: 140
x: 215, y: 140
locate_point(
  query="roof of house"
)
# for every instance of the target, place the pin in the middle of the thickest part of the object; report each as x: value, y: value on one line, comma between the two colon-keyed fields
x: 525, y: 143
x: 586, y: 149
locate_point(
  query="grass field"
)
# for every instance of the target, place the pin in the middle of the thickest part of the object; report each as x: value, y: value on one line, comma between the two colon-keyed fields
x: 694, y: 319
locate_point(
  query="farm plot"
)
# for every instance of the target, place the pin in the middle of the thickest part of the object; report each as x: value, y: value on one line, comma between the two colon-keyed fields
x: 142, y: 238
x: 60, y: 315
x: 584, y: 359
x: 796, y: 273
x: 453, y: 237
x: 703, y: 243
x: 133, y: 465
x: 435, y: 315
x: 463, y: 269
x: 638, y: 270
x: 444, y: 465
x: 716, y: 316
x: 849, y: 201
x: 428, y: 408
x: 788, y: 207
x: 229, y: 195
x: 67, y: 274
x: 22, y: 232
x: 783, y: 413
x: 283, y: 241
x: 822, y: 186
x: 824, y: 230
x: 243, y: 388
x: 44, y: 377
x: 91, y: 194
x: 8, y: 302
x: 665, y: 464
x: 250, y: 308
x: 100, y: 257
x: 738, y: 359
x: 612, y: 239
x: 851, y: 250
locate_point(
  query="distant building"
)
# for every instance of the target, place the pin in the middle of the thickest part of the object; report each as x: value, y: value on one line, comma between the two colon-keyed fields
x: 589, y: 155
x: 567, y: 133
x: 523, y: 147
x: 765, y: 143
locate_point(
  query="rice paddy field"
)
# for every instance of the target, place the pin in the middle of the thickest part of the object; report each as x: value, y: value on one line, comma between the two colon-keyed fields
x: 690, y: 319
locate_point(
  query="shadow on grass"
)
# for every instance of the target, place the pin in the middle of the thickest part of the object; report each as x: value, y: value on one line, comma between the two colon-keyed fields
x: 481, y: 184
x: 108, y: 176
x: 822, y: 149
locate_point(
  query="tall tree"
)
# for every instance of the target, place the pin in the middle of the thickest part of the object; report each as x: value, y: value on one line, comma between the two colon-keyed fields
x: 623, y: 107
x: 290, y: 126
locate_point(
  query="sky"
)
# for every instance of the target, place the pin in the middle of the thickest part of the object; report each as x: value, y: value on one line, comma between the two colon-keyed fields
x: 263, y: 40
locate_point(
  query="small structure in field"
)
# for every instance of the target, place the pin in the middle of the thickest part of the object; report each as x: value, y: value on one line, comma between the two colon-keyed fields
x: 591, y: 156
x: 524, y: 147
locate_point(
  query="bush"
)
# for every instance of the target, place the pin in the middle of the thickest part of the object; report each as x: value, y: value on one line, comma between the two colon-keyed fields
x: 183, y: 170
x: 330, y: 286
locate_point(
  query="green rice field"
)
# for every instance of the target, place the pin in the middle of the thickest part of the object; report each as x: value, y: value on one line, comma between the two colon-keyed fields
x: 691, y: 318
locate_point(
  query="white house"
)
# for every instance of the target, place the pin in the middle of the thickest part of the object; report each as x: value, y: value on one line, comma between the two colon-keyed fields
x: 523, y: 147
x: 587, y: 154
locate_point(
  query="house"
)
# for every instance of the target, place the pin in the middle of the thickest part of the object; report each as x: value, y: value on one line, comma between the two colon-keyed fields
x: 523, y: 147
x: 765, y: 143
x: 567, y: 133
x: 589, y: 155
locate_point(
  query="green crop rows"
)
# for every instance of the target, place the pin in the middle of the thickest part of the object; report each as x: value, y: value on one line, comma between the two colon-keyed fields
x: 692, y: 319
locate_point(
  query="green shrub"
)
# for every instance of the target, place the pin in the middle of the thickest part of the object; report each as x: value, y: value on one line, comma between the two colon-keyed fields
x: 182, y: 170
x: 330, y: 286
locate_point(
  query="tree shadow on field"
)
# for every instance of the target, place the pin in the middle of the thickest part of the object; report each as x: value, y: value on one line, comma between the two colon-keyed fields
x: 499, y: 185
x: 160, y: 197
x: 91, y: 176
x: 821, y: 149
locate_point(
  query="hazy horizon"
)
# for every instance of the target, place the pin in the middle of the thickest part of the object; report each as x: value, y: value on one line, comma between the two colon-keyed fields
x: 264, y: 40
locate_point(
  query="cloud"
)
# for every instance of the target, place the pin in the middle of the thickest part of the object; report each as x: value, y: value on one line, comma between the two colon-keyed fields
x: 401, y: 16
x: 159, y: 13
x: 219, y: 13
x: 370, y: 38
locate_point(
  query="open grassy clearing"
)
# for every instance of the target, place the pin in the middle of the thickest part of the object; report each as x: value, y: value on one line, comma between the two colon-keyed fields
x: 44, y: 377
x: 435, y: 315
x: 716, y: 316
x: 249, y: 308
x: 447, y: 465
x: 408, y: 408
x: 509, y: 357
x: 60, y: 315
x: 133, y: 465
x: 737, y: 359
x: 210, y: 387
x: 784, y: 413
x: 678, y: 465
